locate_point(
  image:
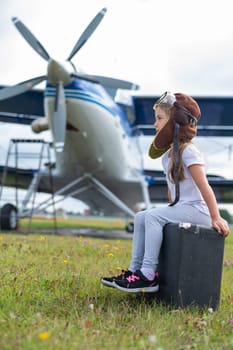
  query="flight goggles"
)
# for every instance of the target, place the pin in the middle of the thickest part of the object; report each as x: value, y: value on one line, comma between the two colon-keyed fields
x: 168, y: 100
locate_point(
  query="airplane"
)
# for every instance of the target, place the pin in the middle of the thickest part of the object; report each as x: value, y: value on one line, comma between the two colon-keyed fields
x: 95, y: 124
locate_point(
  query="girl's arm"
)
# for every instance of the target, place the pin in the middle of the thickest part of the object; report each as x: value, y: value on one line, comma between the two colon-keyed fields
x: 199, y: 176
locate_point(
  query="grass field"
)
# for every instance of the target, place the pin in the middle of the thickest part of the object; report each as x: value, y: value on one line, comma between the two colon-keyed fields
x: 51, y: 298
x: 40, y: 223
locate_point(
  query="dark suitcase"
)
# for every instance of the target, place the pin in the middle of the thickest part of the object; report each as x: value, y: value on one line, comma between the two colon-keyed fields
x: 190, y: 266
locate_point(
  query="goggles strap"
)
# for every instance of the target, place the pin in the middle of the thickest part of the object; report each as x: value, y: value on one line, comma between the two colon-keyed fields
x: 177, y: 161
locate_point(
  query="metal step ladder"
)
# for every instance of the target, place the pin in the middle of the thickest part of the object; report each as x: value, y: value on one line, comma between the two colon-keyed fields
x: 37, y: 152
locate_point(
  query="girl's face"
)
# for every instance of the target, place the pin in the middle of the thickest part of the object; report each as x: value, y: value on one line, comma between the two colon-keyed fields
x: 161, y: 118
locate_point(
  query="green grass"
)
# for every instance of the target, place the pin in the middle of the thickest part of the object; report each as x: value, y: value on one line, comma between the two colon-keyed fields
x: 51, y: 298
x: 75, y: 222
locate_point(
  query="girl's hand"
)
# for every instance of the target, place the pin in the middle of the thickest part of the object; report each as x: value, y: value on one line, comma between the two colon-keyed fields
x: 221, y: 226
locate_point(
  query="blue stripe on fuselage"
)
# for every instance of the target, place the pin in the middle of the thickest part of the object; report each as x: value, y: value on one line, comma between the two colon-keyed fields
x: 86, y: 91
x: 93, y: 93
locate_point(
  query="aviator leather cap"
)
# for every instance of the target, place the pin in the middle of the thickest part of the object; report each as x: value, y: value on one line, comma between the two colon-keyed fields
x: 179, y: 114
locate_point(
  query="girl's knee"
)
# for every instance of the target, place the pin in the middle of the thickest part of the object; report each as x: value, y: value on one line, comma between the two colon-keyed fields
x: 151, y: 213
x: 140, y: 216
x: 153, y: 216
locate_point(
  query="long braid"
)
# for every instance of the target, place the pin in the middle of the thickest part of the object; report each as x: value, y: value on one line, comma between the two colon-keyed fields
x: 182, y: 145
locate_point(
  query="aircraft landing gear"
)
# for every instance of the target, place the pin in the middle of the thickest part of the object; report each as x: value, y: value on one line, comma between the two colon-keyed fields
x: 8, y: 217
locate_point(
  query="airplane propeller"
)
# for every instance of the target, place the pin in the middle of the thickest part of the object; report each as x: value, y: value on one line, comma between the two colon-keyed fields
x: 60, y: 118
x: 20, y: 88
x: 30, y: 38
x: 87, y: 33
x: 58, y: 76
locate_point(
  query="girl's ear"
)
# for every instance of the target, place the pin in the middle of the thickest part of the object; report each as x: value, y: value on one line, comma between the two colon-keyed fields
x: 180, y: 115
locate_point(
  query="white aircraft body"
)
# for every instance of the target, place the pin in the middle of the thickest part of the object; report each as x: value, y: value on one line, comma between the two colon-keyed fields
x: 98, y: 149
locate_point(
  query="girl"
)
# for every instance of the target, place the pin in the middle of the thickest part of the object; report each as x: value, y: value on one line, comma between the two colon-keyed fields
x: 190, y: 196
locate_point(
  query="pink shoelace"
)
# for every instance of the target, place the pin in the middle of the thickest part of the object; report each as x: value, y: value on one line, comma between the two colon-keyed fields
x: 133, y: 278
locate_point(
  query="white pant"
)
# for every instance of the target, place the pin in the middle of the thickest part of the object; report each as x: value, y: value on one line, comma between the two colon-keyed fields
x: 148, y: 232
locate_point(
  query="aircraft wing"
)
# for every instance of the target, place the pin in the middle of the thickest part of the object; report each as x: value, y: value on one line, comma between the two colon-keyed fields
x: 23, y: 108
x: 223, y: 188
x: 216, y: 115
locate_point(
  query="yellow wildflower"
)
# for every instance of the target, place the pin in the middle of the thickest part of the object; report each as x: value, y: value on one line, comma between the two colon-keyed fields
x: 44, y: 335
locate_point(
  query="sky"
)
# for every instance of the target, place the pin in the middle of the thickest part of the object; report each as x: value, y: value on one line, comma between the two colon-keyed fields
x: 181, y: 45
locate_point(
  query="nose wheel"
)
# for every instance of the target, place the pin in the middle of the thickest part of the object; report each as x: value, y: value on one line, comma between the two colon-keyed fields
x: 129, y: 227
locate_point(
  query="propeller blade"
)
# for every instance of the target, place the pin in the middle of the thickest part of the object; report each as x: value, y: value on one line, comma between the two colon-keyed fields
x: 60, y: 118
x: 116, y: 83
x: 107, y: 81
x: 30, y: 38
x: 87, y: 33
x: 24, y: 86
x: 86, y: 77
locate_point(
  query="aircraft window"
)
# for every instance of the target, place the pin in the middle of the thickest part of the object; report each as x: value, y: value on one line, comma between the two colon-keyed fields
x: 125, y: 101
x: 129, y: 111
x: 144, y: 110
x: 214, y: 110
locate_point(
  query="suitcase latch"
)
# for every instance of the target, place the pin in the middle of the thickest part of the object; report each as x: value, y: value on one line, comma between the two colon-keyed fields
x: 185, y: 225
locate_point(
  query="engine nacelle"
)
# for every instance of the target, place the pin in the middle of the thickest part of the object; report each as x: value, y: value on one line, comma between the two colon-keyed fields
x: 40, y: 124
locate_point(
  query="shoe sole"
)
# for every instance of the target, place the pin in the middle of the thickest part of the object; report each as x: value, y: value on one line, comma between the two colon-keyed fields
x: 108, y: 284
x: 137, y: 290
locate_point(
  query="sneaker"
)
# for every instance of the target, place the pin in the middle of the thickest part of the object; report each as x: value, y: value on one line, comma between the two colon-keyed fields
x: 138, y: 283
x: 109, y: 281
